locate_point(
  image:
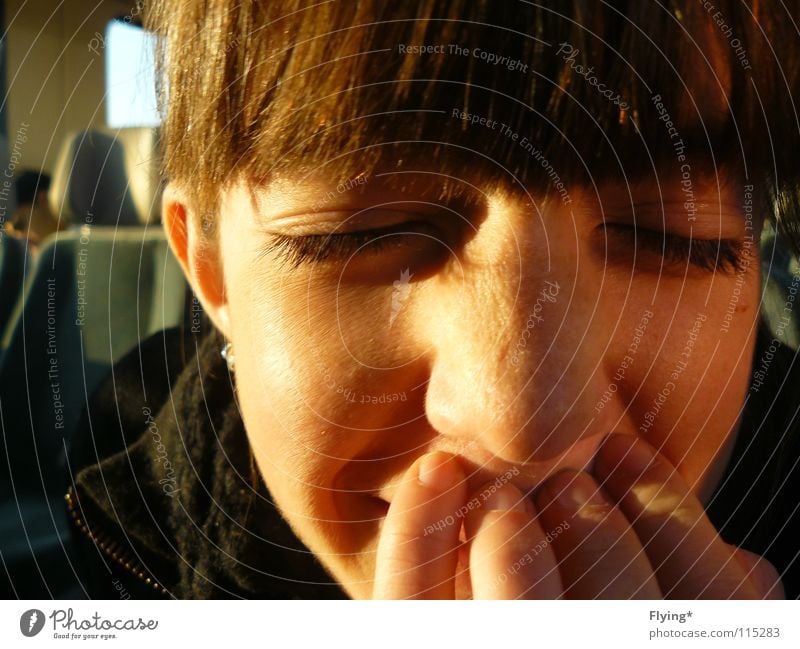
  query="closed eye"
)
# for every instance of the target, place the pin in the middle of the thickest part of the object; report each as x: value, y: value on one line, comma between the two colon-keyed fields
x: 340, y: 247
x: 710, y: 255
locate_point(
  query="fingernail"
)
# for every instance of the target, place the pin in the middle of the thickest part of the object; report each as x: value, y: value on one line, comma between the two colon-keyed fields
x: 436, y: 471
x: 507, y: 498
x: 638, y: 457
x: 580, y: 491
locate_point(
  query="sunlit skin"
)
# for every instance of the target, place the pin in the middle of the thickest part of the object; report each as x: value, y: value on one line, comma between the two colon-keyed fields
x: 349, y: 380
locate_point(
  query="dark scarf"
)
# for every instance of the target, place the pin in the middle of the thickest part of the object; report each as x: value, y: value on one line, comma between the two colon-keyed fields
x: 180, y: 500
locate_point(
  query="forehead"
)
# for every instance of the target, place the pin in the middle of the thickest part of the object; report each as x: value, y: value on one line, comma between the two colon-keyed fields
x: 319, y: 195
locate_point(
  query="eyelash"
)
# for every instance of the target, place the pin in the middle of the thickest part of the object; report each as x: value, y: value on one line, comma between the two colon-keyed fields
x: 710, y: 255
x: 314, y: 248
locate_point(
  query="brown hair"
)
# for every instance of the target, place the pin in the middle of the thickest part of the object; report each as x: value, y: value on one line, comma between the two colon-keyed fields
x: 259, y: 88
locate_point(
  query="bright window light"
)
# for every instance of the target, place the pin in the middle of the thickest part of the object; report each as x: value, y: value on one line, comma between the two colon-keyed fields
x: 130, y: 78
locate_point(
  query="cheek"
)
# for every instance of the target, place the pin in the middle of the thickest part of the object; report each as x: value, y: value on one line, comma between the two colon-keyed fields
x: 279, y: 402
x: 687, y: 375
x: 317, y: 389
x: 301, y: 455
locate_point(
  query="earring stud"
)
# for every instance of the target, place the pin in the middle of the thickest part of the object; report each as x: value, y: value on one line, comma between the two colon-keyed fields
x: 227, y: 353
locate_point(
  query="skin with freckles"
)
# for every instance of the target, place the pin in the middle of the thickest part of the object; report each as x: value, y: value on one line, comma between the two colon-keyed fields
x: 384, y: 381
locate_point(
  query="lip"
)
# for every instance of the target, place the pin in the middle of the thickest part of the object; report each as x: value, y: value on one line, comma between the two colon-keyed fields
x: 579, y: 457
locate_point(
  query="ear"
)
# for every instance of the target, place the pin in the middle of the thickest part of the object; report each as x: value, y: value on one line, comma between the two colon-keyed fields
x: 198, y: 254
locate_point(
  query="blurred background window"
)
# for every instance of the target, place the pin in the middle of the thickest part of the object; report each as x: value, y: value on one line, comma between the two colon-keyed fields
x: 130, y: 85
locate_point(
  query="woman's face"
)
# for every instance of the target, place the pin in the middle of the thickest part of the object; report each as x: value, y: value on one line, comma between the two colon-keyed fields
x: 510, y: 331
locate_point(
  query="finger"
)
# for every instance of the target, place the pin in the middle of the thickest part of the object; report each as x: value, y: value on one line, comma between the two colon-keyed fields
x: 689, y: 557
x: 417, y: 549
x: 599, y: 554
x: 508, y: 555
x: 761, y: 572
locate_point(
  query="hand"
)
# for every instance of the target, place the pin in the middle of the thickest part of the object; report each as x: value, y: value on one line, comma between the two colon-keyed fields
x: 642, y: 535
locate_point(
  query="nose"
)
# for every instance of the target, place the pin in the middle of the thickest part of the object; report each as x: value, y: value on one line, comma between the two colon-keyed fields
x: 517, y: 344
